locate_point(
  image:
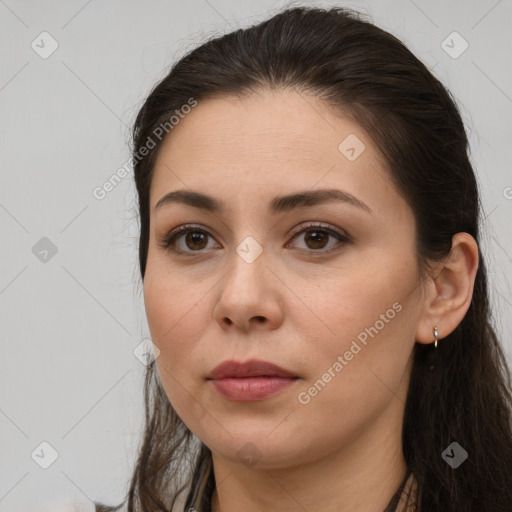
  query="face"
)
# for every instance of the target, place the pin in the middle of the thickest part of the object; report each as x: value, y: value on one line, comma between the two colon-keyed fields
x: 326, y: 288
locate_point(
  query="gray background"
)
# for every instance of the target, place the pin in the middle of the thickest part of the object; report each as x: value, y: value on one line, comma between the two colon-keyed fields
x: 70, y: 323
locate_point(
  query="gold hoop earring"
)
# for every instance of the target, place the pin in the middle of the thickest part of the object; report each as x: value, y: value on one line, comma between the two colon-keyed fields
x: 436, y: 335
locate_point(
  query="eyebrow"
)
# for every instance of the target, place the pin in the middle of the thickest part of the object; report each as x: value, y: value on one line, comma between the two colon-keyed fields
x: 279, y: 204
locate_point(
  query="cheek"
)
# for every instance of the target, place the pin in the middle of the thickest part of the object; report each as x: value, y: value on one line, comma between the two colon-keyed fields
x: 172, y: 307
x: 358, y: 371
x: 366, y: 333
x: 344, y: 306
x: 176, y: 321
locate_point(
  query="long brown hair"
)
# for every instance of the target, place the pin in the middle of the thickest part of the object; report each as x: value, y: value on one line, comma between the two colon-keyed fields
x: 459, y: 392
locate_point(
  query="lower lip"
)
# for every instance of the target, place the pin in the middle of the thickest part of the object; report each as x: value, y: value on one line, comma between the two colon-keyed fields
x: 250, y: 389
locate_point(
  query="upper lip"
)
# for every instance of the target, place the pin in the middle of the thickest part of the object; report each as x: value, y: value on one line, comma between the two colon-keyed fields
x: 252, y: 368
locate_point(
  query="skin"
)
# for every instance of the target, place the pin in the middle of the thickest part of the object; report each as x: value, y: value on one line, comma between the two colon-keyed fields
x: 342, y: 450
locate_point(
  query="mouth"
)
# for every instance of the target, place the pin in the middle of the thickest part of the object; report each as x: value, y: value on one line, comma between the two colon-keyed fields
x: 251, y: 389
x: 252, y: 368
x: 250, y: 381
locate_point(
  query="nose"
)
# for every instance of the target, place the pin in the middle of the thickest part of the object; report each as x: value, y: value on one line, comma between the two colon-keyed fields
x: 249, y: 297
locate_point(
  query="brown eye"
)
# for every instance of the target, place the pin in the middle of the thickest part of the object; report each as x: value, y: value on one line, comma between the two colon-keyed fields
x: 191, y: 241
x: 196, y: 240
x: 186, y: 240
x: 316, y: 239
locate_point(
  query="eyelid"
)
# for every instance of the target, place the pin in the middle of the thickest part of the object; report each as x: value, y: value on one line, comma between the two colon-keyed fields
x: 168, y: 241
x: 316, y: 224
x: 342, y: 236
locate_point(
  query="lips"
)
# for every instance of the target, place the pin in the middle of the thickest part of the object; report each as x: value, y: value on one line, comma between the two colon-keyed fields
x: 252, y: 368
x: 251, y: 381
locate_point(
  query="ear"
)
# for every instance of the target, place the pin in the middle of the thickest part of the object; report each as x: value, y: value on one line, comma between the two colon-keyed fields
x: 449, y: 290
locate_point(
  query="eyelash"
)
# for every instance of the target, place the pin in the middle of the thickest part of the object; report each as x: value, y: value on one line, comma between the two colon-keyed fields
x: 168, y: 242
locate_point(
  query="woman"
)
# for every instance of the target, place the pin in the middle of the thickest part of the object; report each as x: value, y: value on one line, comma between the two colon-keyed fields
x: 313, y: 282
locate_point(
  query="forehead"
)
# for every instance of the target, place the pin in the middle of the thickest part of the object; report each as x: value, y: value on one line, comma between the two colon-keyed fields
x: 259, y: 126
x: 267, y: 142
